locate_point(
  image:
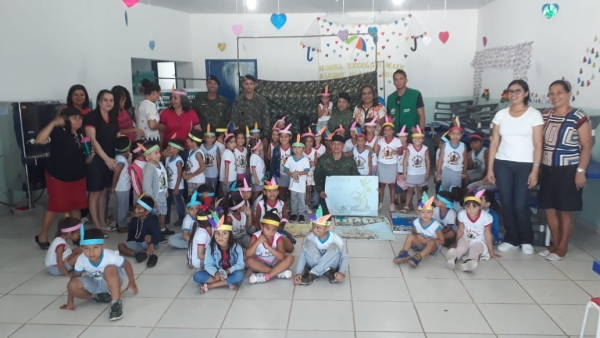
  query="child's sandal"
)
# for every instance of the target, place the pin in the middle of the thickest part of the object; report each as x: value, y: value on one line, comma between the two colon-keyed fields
x: 203, y: 288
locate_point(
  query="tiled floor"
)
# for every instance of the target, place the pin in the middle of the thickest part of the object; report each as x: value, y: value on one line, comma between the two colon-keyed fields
x: 515, y: 296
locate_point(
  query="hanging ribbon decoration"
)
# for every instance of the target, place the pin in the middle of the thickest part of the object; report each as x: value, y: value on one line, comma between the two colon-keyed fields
x: 414, y: 49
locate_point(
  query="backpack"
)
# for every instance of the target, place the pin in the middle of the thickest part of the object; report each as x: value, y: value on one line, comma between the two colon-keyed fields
x: 137, y: 177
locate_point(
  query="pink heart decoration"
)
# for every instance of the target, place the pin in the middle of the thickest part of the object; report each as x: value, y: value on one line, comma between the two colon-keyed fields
x: 444, y: 36
x: 237, y: 29
x: 484, y: 41
x: 130, y: 3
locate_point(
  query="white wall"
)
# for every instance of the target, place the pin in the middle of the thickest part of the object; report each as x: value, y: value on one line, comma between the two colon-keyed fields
x: 559, y: 43
x: 47, y: 46
x: 285, y: 59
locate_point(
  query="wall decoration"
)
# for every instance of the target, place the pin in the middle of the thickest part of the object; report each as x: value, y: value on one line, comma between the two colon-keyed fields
x: 486, y: 94
x: 517, y: 57
x: 221, y: 46
x: 485, y: 41
x: 426, y: 40
x: 444, y: 36
x: 550, y: 10
x: 126, y: 19
x: 343, y: 34
x: 278, y: 20
x: 152, y: 44
x: 237, y: 29
x: 130, y: 3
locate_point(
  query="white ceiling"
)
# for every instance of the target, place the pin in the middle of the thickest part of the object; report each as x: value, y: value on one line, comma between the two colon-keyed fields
x: 313, y: 6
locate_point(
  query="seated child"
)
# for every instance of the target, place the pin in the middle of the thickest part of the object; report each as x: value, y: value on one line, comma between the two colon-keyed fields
x: 144, y: 234
x: 265, y: 255
x: 445, y: 215
x: 206, y: 195
x: 181, y: 240
x: 426, y: 234
x: 474, y: 236
x: 60, y: 259
x: 239, y: 217
x: 487, y: 201
x: 201, y: 233
x: 104, y: 274
x: 224, y: 260
x: 322, y: 254
x: 271, y: 202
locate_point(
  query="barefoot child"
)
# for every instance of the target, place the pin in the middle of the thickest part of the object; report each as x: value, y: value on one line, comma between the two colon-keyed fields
x: 426, y: 235
x: 194, y: 174
x: 416, y: 166
x: 155, y: 183
x: 297, y: 167
x: 60, y: 259
x: 322, y: 253
x: 387, y: 149
x: 444, y: 214
x: 265, y: 255
x: 212, y: 158
x: 144, y: 235
x: 181, y: 240
x: 474, y: 236
x: 257, y: 168
x: 175, y: 168
x: 224, y: 260
x: 201, y: 233
x: 104, y: 274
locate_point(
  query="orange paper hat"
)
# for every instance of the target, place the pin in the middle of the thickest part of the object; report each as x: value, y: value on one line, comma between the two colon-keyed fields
x: 208, y: 132
x: 326, y: 93
x: 247, y: 131
x: 322, y: 219
x: 272, y: 184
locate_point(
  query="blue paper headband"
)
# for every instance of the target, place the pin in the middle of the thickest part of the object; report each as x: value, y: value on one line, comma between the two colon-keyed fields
x: 143, y: 204
x: 83, y: 241
x: 445, y: 201
x: 233, y: 187
x: 194, y: 200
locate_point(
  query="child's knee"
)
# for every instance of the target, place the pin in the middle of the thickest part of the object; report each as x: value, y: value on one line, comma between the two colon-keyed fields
x: 110, y: 271
x: 74, y: 285
x: 289, y: 259
x: 148, y: 238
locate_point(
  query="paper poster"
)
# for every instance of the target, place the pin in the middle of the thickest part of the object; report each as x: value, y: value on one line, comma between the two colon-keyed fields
x: 352, y: 195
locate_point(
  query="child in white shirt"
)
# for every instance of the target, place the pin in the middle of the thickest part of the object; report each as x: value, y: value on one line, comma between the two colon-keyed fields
x: 452, y: 165
x: 446, y: 215
x: 297, y: 168
x: 201, y: 234
x: 122, y: 182
x: 194, y: 175
x: 212, y: 158
x: 416, y: 167
x: 174, y: 168
x: 241, y: 154
x: 227, y: 172
x: 364, y: 158
x: 312, y: 155
x: 257, y: 168
x: 387, y: 149
x: 60, y: 259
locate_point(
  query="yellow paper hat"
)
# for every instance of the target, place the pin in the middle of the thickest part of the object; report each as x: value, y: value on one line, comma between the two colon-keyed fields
x: 388, y: 122
x: 247, y: 131
x: 456, y: 125
x: 476, y: 198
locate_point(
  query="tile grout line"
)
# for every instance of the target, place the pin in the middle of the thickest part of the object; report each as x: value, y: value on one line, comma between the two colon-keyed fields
x: 170, y: 304
x: 351, y: 292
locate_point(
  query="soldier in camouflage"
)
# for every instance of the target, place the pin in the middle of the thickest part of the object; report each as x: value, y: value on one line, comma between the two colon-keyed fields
x: 343, y: 115
x: 211, y: 107
x: 250, y: 107
x: 333, y: 164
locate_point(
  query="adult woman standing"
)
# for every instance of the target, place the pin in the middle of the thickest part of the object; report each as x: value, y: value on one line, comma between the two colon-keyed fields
x: 369, y: 108
x: 566, y: 155
x: 146, y: 115
x: 126, y: 125
x: 514, y: 160
x: 102, y: 127
x: 65, y: 172
x: 78, y: 97
x: 179, y: 118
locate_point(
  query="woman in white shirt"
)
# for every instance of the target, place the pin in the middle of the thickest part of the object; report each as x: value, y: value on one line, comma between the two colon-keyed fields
x: 514, y: 160
x: 146, y: 115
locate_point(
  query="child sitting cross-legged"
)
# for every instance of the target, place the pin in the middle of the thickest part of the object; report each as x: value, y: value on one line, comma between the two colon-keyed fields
x: 224, y: 259
x: 426, y: 236
x: 60, y: 259
x: 104, y: 274
x: 265, y: 255
x: 181, y: 240
x: 322, y: 253
x: 144, y: 234
x: 474, y: 237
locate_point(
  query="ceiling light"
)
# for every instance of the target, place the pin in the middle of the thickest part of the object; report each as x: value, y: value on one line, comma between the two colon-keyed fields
x: 397, y: 2
x: 251, y: 4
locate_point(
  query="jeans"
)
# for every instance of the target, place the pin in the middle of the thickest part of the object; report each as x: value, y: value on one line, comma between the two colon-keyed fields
x: 298, y: 204
x: 318, y: 263
x: 179, y: 205
x: 511, y: 180
x: 177, y: 241
x: 234, y: 278
x: 122, y: 207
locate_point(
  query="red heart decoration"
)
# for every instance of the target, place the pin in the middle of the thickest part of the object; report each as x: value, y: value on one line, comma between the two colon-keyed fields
x: 444, y: 36
x: 484, y: 41
x: 358, y: 26
x: 303, y: 46
x: 580, y: 70
x: 382, y: 33
x: 336, y: 42
x: 382, y: 47
x: 588, y: 83
x: 410, y: 15
x: 584, y: 59
x: 327, y: 29
x: 355, y: 60
x: 389, y: 56
x: 318, y: 19
x: 367, y: 55
x: 130, y: 3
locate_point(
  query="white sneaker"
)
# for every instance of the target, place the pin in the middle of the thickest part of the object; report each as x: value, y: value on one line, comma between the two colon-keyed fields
x: 257, y: 278
x: 109, y: 228
x: 506, y: 247
x: 554, y: 257
x: 469, y: 265
x: 287, y: 274
x: 527, y: 249
x: 544, y: 253
x: 451, y: 257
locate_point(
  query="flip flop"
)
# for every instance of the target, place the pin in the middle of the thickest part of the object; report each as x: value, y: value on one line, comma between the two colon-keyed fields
x: 42, y: 245
x: 203, y: 288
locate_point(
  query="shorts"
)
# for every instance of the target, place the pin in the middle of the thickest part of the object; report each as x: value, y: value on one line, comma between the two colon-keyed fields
x: 416, y: 180
x: 451, y: 178
x: 161, y: 204
x: 99, y: 177
x: 283, y: 181
x: 212, y: 181
x: 138, y: 246
x: 475, y: 175
x: 558, y: 190
x: 258, y: 187
x: 55, y: 271
x: 225, y: 188
x: 270, y: 264
x: 387, y: 173
x: 66, y: 196
x: 95, y: 286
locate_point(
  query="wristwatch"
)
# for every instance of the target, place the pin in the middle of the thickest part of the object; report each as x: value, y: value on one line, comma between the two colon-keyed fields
x: 580, y: 170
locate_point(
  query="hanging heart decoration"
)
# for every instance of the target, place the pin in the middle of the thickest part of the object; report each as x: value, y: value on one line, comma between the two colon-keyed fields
x: 278, y: 20
x: 549, y: 10
x: 373, y: 33
x: 427, y: 40
x: 221, y: 46
x: 343, y: 35
x: 130, y: 3
x: 237, y: 29
x: 444, y: 36
x: 484, y: 41
x: 152, y: 44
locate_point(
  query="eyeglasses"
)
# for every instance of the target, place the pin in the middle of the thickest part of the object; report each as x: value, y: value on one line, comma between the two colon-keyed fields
x: 515, y: 91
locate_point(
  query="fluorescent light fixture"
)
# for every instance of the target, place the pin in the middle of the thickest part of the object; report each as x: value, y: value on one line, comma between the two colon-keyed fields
x: 251, y: 4
x: 397, y: 2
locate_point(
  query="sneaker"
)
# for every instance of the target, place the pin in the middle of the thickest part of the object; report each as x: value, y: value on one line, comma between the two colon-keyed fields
x: 164, y: 240
x: 504, y: 247
x: 402, y: 257
x: 468, y: 265
x: 309, y: 210
x: 102, y: 298
x: 140, y: 257
x: 301, y: 219
x: 152, y: 260
x: 308, y: 278
x: 258, y: 278
x: 178, y: 223
x: 544, y: 253
x: 554, y: 257
x: 287, y: 274
x: 105, y: 234
x: 330, y: 275
x: 115, y: 312
x: 527, y: 249
x: 415, y: 260
x: 167, y: 232
x: 451, y: 256
x: 109, y: 228
x: 293, y: 218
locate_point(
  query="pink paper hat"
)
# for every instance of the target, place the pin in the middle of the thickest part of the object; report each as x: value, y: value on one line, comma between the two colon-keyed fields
x: 476, y: 198
x: 388, y: 121
x: 245, y: 187
x: 403, y: 131
x: 309, y: 133
x: 417, y: 132
x: 373, y: 122
x: 286, y: 130
x: 353, y: 126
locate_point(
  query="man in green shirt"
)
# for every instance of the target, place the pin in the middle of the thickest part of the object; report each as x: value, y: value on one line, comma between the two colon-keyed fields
x: 250, y: 107
x: 343, y: 114
x: 211, y: 107
x: 406, y: 105
x: 333, y: 164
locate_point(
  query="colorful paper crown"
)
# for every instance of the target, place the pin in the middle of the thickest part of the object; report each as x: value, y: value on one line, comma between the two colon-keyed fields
x: 246, y: 187
x: 286, y: 130
x: 255, y: 130
x: 456, y: 125
x: 298, y: 142
x: 339, y: 129
x: 309, y: 133
x: 221, y: 130
x: 360, y: 133
x: 403, y: 131
x: 373, y: 123
x: 476, y: 198
x: 71, y: 229
x: 272, y: 184
x: 142, y: 203
x: 322, y: 219
x: 426, y: 203
x: 231, y: 127
x: 218, y: 223
x: 417, y: 132
x: 83, y: 241
x: 388, y: 122
x: 208, y: 132
x: 321, y: 131
x: 193, y: 200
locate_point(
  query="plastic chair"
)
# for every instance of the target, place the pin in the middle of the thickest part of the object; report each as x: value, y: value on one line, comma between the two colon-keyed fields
x: 595, y: 303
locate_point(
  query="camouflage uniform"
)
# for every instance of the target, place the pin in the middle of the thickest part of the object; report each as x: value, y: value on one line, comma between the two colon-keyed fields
x: 327, y: 166
x: 216, y: 112
x: 245, y: 112
x: 340, y: 117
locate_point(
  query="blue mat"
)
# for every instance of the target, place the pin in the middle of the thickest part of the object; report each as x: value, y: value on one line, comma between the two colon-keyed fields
x: 380, y: 231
